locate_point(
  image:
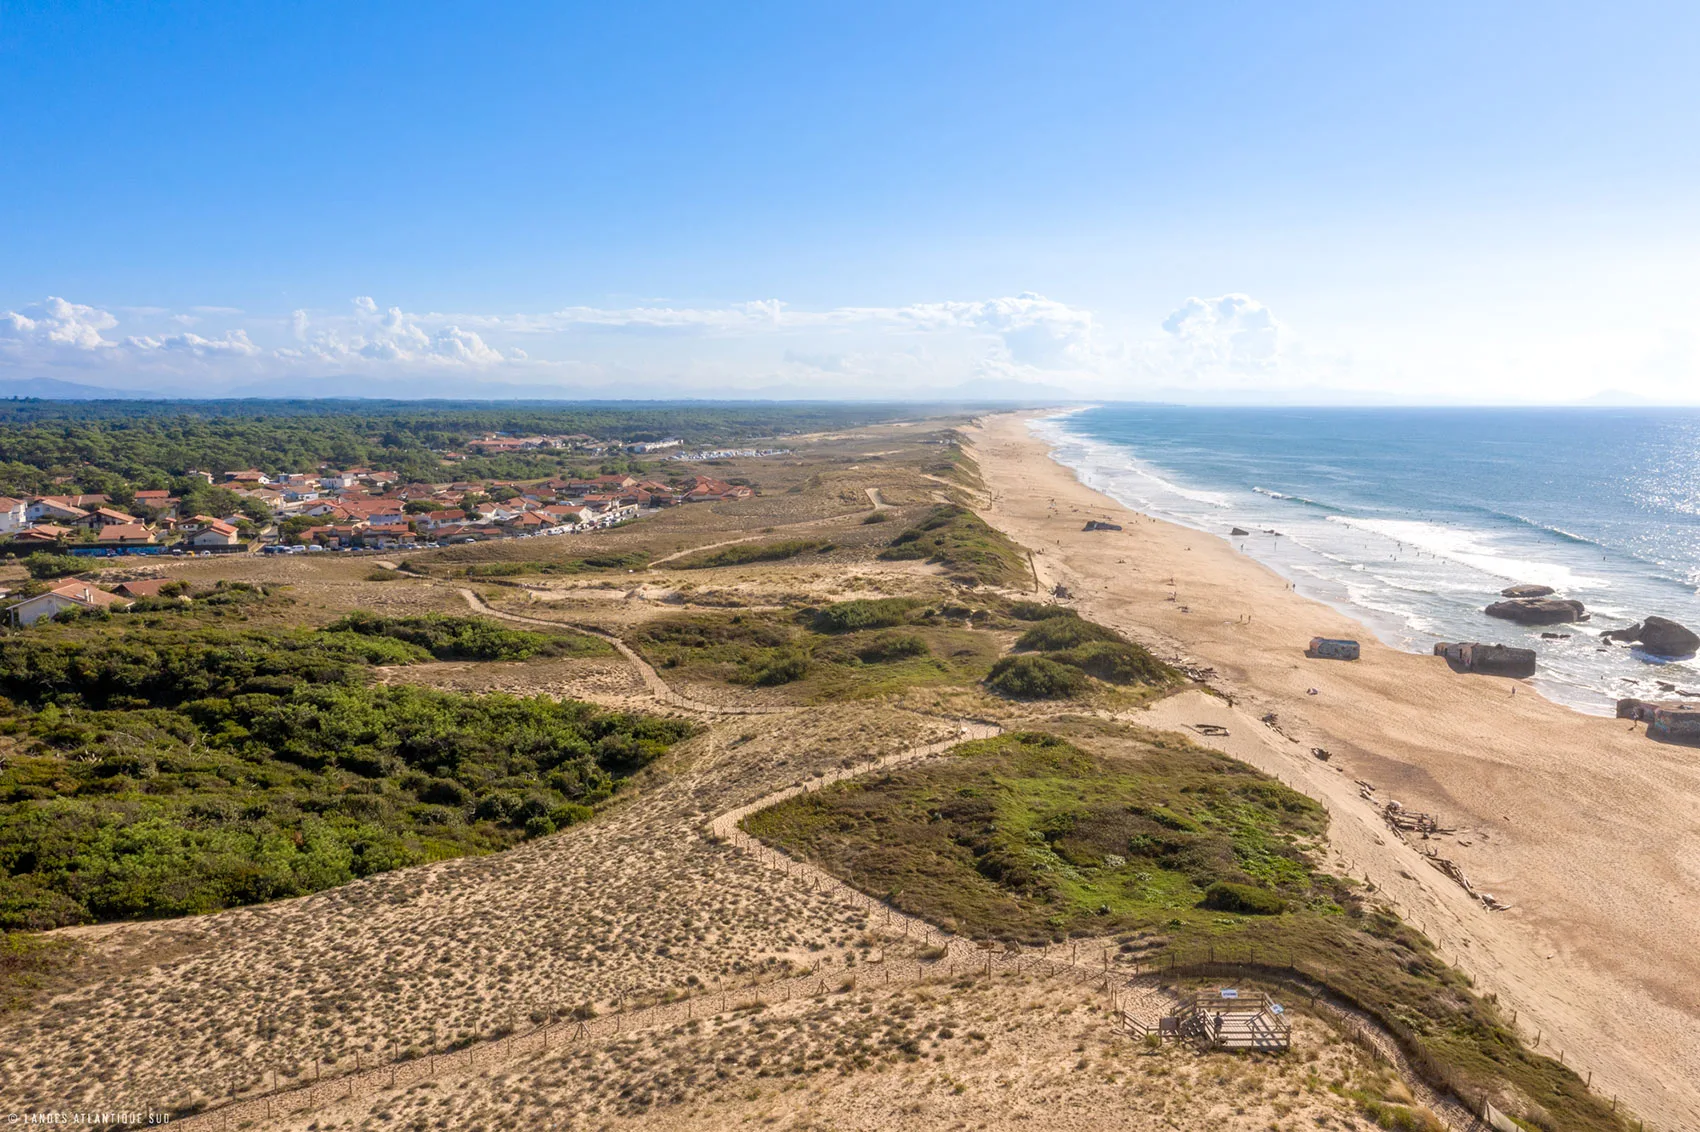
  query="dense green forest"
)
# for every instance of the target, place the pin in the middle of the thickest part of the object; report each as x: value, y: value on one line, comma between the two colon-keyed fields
x: 178, y: 768
x: 116, y: 446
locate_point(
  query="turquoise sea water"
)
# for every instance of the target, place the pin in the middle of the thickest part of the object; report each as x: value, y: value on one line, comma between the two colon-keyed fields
x: 1413, y: 520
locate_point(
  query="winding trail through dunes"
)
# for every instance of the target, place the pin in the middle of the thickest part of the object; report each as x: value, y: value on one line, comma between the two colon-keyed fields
x: 1136, y: 997
x: 651, y: 679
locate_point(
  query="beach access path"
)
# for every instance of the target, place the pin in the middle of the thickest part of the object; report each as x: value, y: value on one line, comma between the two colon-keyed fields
x: 1589, y: 831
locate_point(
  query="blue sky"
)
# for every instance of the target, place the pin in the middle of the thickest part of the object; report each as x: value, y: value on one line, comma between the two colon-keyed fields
x: 1225, y: 201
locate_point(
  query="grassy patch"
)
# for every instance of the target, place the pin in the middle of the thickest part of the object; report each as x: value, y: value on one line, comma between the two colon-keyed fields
x: 1038, y: 610
x: 874, y: 648
x: 1035, y: 678
x: 1063, y: 632
x: 960, y: 541
x: 744, y: 553
x: 30, y: 963
x: 1065, y: 640
x: 1033, y: 837
x: 863, y: 613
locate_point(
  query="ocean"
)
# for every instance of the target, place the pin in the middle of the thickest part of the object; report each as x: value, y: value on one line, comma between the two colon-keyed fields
x: 1413, y: 520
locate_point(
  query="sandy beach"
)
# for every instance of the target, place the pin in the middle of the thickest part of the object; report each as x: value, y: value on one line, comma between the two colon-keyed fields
x: 1587, y: 829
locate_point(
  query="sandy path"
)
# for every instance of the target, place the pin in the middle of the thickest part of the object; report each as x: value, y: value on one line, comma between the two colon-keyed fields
x: 1591, y: 832
x: 651, y: 679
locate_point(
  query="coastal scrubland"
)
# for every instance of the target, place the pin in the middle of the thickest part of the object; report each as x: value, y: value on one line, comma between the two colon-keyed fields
x: 430, y: 830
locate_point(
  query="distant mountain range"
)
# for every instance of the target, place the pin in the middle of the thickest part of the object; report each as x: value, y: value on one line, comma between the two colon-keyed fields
x: 51, y: 389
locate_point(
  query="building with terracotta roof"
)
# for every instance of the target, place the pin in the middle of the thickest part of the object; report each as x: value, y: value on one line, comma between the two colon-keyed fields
x: 102, y: 517
x: 216, y: 533
x: 125, y: 534
x: 42, y: 532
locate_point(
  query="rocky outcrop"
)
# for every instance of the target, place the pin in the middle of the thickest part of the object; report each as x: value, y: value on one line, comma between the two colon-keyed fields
x: 1527, y: 591
x: 1659, y: 636
x: 1239, y: 532
x: 1538, y: 610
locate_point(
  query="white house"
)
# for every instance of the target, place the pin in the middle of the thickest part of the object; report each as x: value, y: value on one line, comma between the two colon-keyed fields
x: 66, y: 595
x: 57, y: 510
x: 216, y: 533
x: 14, y: 514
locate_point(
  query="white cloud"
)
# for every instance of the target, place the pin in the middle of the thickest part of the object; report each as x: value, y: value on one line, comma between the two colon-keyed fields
x: 233, y: 344
x: 688, y: 349
x: 1231, y: 332
x: 386, y: 336
x: 56, y: 325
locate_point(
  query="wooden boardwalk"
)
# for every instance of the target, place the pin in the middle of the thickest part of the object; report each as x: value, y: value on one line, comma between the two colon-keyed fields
x: 1249, y: 1020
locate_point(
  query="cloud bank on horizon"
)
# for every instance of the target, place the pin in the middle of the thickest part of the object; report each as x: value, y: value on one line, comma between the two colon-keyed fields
x: 1226, y: 348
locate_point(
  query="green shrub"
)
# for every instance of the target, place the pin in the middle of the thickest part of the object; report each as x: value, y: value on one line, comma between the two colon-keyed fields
x: 1064, y: 632
x: 44, y: 566
x: 714, y: 631
x: 740, y: 554
x: 235, y: 800
x: 570, y: 813
x: 892, y: 646
x: 1039, y: 610
x: 862, y: 613
x: 1035, y: 678
x: 462, y: 638
x: 165, y: 668
x: 1115, y: 662
x: 1245, y: 899
x: 1399, y: 1118
x: 781, y: 668
x: 875, y: 517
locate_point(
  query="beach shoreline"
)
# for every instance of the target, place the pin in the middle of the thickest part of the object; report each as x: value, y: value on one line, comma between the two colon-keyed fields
x: 1583, y: 827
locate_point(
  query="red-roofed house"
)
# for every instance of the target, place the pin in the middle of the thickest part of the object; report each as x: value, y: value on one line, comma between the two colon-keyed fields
x: 143, y: 587
x: 125, y: 534
x: 42, y: 532
x: 102, y: 517
x: 216, y: 533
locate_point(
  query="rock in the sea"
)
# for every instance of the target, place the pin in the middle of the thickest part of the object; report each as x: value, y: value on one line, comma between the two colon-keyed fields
x: 1527, y: 591
x: 1238, y: 532
x: 1538, y: 610
x: 1659, y: 636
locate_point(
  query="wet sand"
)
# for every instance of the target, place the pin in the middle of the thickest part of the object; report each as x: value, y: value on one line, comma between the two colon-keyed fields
x: 1587, y: 829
